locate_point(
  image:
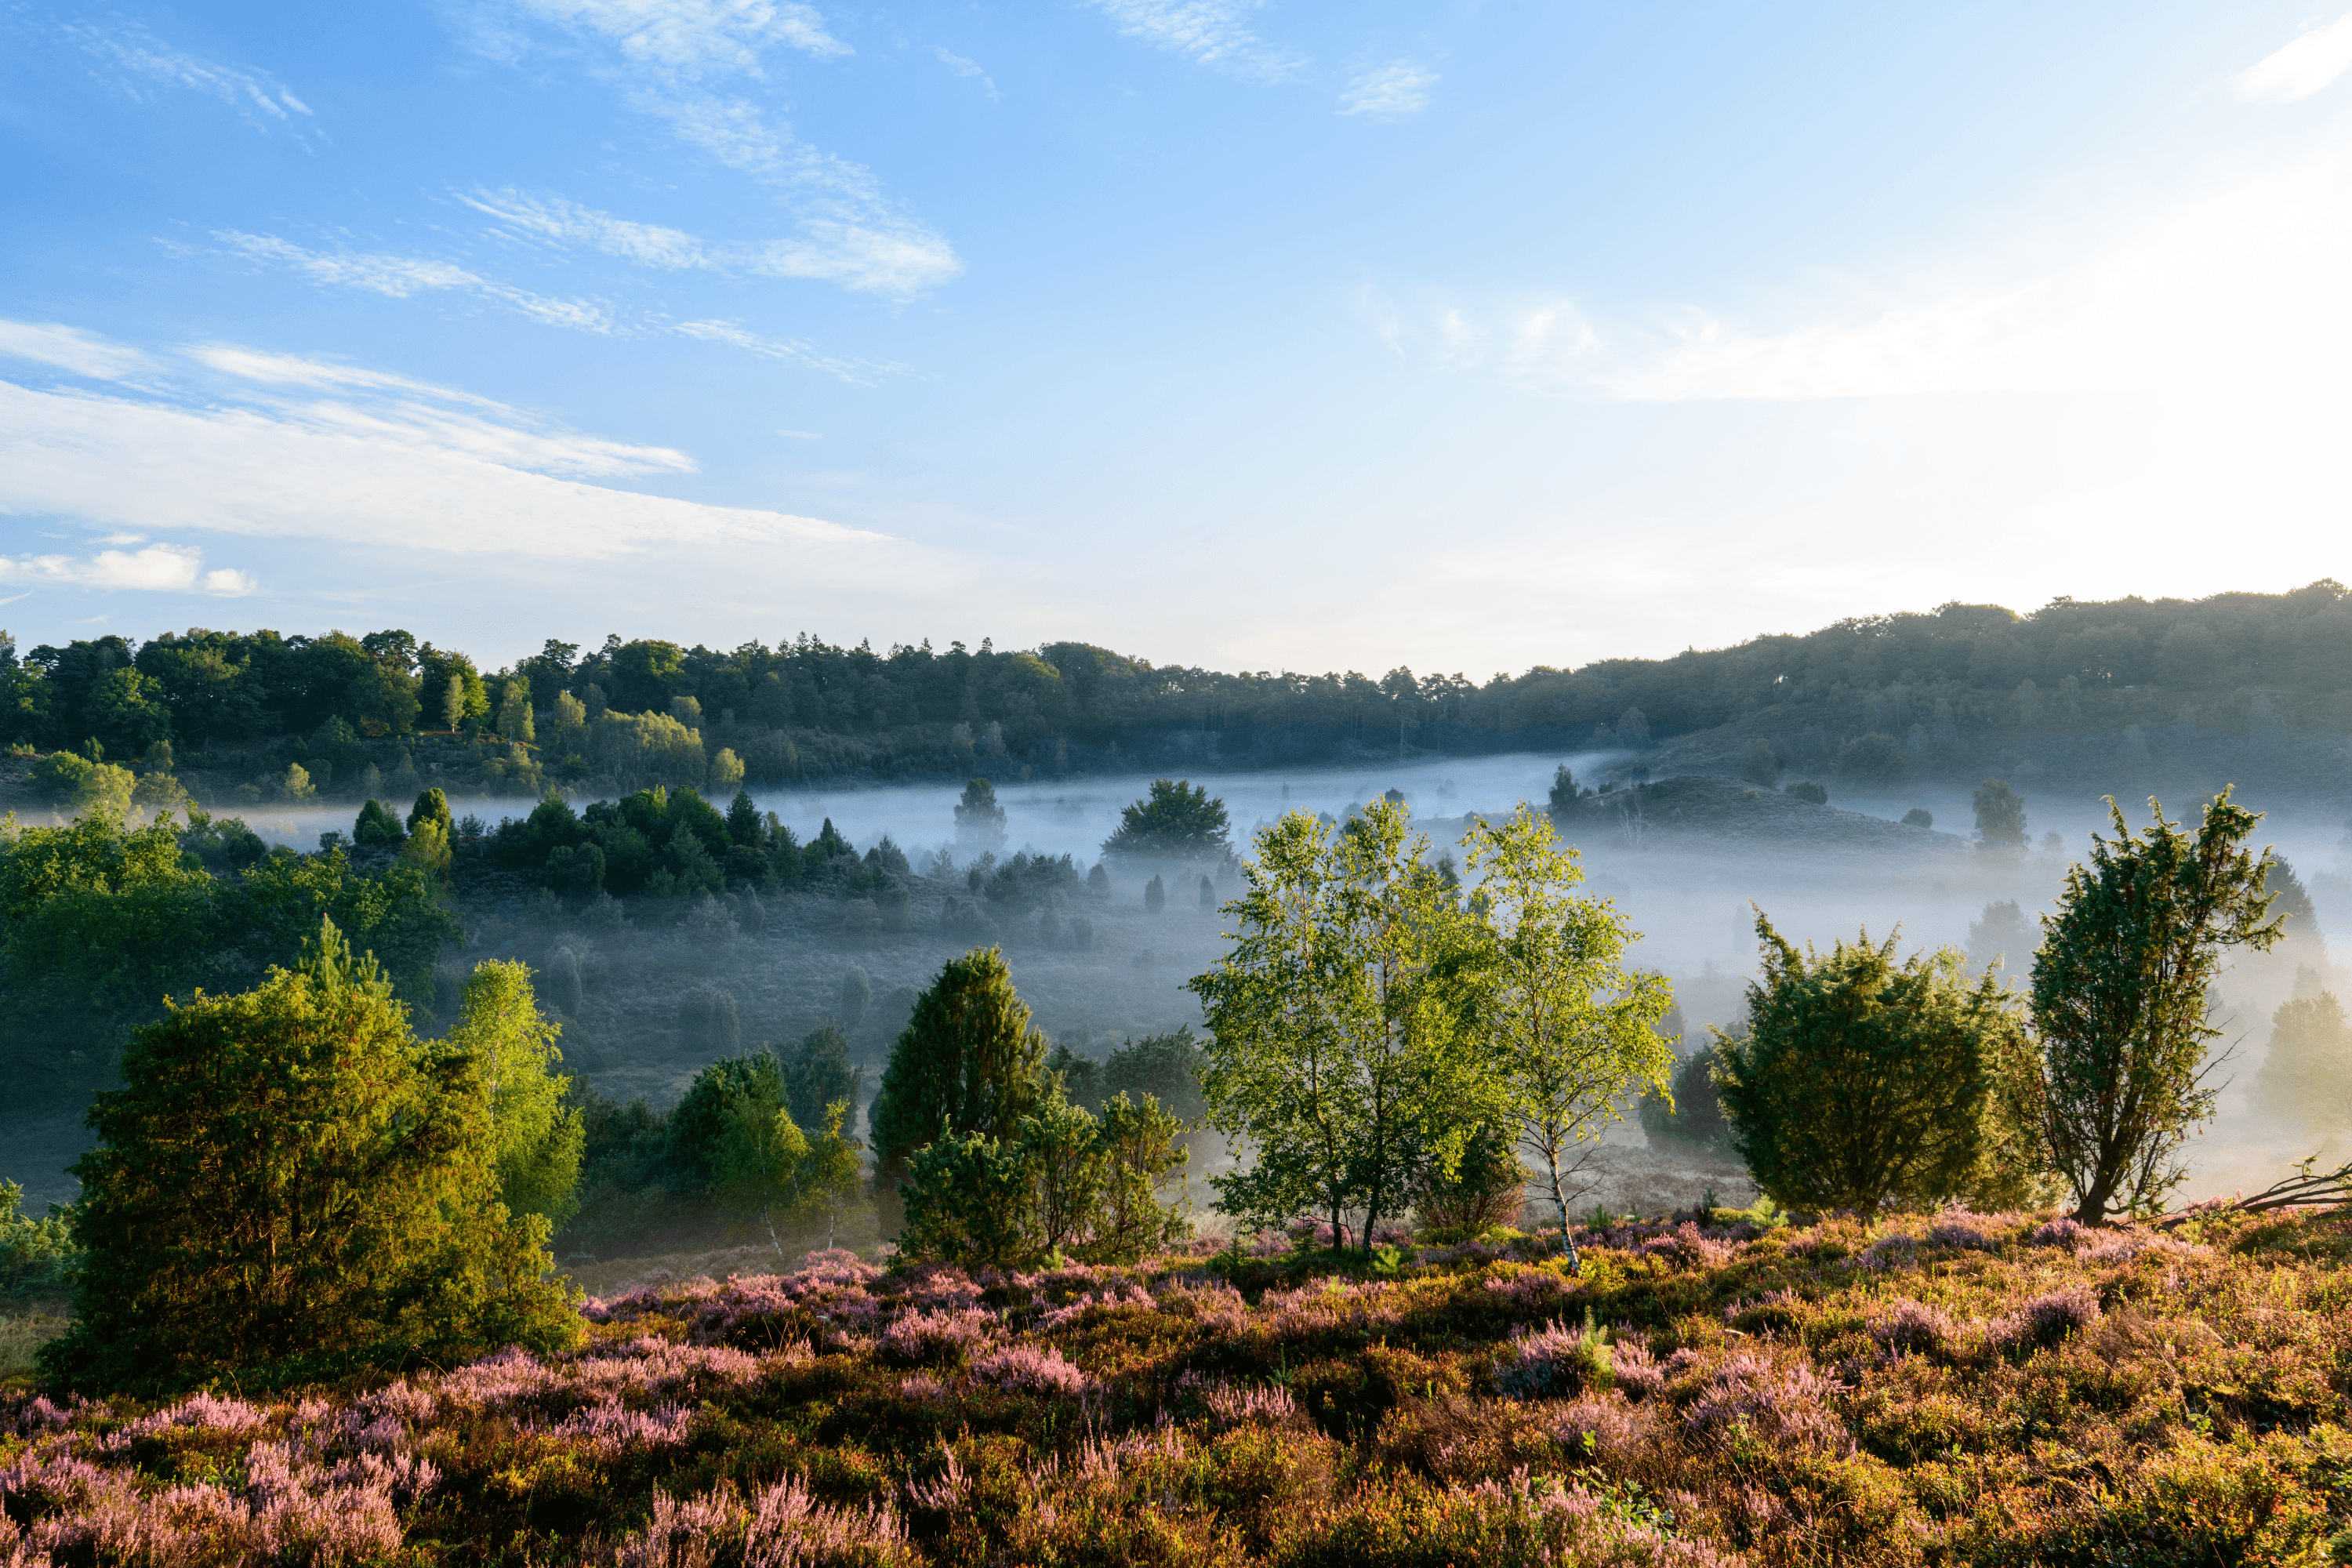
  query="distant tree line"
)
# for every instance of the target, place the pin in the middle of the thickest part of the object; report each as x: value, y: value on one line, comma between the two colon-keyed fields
x: 649, y: 711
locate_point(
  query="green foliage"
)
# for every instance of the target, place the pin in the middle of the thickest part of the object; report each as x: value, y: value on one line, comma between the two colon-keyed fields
x: 1569, y: 1030
x: 2119, y: 989
x: 1065, y: 1185
x: 1167, y: 1067
x: 35, y: 1254
x: 1875, y: 758
x: 1340, y: 1045
x: 1564, y: 792
x: 1689, y: 1115
x: 378, y: 827
x: 1178, y: 820
x: 539, y: 1138
x: 1864, y: 1083
x: 977, y: 814
x: 291, y: 1185
x: 721, y: 1094
x: 2001, y: 815
x: 1806, y: 791
x: 432, y: 807
x: 969, y: 1063
x: 817, y: 1074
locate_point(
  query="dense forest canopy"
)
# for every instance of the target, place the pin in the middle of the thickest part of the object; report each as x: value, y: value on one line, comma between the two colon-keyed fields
x: 807, y: 709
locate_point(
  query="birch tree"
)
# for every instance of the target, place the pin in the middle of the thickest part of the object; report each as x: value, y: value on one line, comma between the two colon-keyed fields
x: 1570, y: 1029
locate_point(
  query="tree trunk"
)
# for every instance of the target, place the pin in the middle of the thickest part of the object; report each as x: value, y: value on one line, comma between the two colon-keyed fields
x: 1560, y: 1202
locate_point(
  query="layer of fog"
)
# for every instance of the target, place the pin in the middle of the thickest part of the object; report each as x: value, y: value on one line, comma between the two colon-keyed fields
x: 636, y: 1017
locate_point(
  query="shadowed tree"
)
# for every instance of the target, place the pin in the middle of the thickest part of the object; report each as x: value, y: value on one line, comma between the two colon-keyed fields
x: 1177, y: 821
x: 2001, y: 815
x: 1866, y: 1081
x: 968, y: 1062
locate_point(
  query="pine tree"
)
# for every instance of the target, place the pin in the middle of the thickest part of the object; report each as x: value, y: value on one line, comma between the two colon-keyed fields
x: 432, y: 807
x: 377, y: 827
x: 290, y: 1185
x: 968, y: 1062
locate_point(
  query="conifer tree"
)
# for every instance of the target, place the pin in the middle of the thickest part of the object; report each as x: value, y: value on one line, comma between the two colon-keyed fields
x: 2119, y: 990
x: 969, y: 1061
x: 432, y: 807
x: 290, y: 1185
x: 377, y: 827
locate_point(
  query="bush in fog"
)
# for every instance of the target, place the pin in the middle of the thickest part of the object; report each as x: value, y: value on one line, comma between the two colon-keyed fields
x: 1806, y: 790
x: 2001, y: 815
x: 1167, y: 1067
x: 1564, y: 792
x: 1099, y: 882
x: 968, y: 1062
x: 1689, y: 1116
x: 1155, y: 895
x: 539, y: 1138
x: 2306, y: 1078
x: 856, y: 993
x: 978, y: 818
x: 1866, y: 1082
x: 1208, y: 897
x: 2119, y: 999
x: 291, y: 1185
x: 1065, y: 1183
x: 708, y: 926
x: 1918, y: 817
x: 1875, y: 758
x: 377, y: 827
x: 1178, y: 820
x: 859, y: 921
x: 708, y: 1023
x: 1759, y: 766
x: 817, y: 1073
x: 562, y: 980
x: 2005, y: 933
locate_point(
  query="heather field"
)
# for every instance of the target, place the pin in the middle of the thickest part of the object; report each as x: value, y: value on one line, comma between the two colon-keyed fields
x: 1956, y: 1388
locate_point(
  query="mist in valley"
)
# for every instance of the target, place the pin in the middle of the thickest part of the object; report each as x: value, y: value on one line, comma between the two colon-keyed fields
x: 649, y: 991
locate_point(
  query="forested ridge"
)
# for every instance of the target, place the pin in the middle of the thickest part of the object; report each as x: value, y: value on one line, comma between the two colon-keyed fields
x: 239, y: 709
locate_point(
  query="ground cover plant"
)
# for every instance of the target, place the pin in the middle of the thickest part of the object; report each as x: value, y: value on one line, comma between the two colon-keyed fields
x: 1944, y: 1388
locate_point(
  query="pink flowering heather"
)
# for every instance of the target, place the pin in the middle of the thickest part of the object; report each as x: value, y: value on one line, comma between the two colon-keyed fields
x: 612, y: 1427
x: 1600, y: 1427
x: 2045, y: 1320
x: 1553, y: 1361
x: 1687, y: 1247
x: 1896, y: 1249
x: 201, y: 1411
x: 1237, y: 1404
x: 936, y: 1338
x: 941, y: 1287
x: 1554, y: 1522
x: 1533, y: 1289
x: 1635, y: 1372
x: 1025, y: 1369
x: 1111, y: 1299
x: 1959, y: 1229
x: 2061, y: 1232
x: 1913, y: 1326
x: 30, y: 1416
x: 1747, y: 1395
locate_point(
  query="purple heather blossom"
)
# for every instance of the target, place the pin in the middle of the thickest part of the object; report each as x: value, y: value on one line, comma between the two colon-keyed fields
x: 1028, y: 1369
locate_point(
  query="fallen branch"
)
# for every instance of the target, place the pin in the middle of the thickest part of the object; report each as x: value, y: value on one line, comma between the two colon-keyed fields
x: 2306, y: 1188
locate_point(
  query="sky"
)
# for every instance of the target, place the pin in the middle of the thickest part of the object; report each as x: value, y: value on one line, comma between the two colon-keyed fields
x: 1468, y: 337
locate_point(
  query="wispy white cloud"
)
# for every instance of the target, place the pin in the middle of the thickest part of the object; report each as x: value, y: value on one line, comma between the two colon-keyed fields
x: 71, y: 348
x: 1208, y: 32
x: 859, y: 373
x: 162, y: 568
x: 2307, y: 65
x: 139, y: 57
x: 665, y: 57
x: 460, y: 480
x: 694, y: 35
x: 970, y: 71
x: 855, y: 252
x: 401, y: 276
x: 1390, y: 92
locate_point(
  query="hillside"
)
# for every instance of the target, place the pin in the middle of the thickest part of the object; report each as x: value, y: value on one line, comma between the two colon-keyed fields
x: 1969, y: 1388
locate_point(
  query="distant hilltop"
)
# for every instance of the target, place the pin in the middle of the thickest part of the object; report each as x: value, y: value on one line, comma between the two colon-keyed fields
x: 2108, y: 695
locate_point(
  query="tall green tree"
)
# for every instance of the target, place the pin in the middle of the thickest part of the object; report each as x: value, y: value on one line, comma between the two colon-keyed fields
x: 2307, y: 1077
x: 540, y: 1138
x: 1571, y: 1029
x: 2119, y: 993
x: 1178, y: 820
x: 968, y: 1062
x: 1867, y: 1082
x: 2001, y: 815
x: 290, y: 1185
x: 1342, y: 1052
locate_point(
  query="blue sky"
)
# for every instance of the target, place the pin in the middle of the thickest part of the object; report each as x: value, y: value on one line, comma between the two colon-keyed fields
x: 1462, y: 336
